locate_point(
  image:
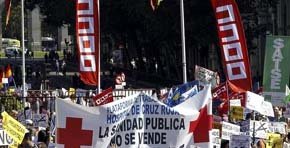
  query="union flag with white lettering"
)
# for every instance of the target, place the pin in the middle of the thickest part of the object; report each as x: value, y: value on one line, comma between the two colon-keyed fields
x: 88, y: 40
x: 104, y: 97
x: 232, y: 43
x: 276, y: 69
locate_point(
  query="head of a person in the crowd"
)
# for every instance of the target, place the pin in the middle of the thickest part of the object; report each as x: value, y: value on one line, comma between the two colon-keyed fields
x: 42, y: 136
x: 41, y: 145
x: 288, y: 136
x: 277, y: 111
x: 14, y: 114
x: 225, y: 144
x: 249, y: 116
x: 29, y: 122
x: 27, y: 141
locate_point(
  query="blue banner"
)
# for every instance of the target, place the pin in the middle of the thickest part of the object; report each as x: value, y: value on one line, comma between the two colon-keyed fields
x: 180, y: 93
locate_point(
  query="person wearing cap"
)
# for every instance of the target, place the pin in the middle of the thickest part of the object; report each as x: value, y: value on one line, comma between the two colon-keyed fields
x: 29, y: 122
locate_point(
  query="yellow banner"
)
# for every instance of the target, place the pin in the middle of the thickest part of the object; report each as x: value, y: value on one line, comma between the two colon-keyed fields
x: 13, y: 145
x: 274, y: 141
x: 13, y: 128
x: 237, y: 112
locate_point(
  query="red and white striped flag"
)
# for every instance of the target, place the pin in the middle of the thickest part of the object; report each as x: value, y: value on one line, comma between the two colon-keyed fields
x: 88, y: 40
x: 233, y: 43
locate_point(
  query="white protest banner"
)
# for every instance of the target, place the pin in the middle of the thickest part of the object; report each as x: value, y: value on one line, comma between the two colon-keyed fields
x: 215, y: 138
x: 261, y: 129
x: 40, y: 120
x: 257, y: 103
x: 4, y: 138
x: 277, y: 127
x: 235, y: 102
x: 240, y: 141
x: 254, y: 101
x: 267, y: 109
x: 135, y: 121
x: 229, y: 129
x: 205, y: 76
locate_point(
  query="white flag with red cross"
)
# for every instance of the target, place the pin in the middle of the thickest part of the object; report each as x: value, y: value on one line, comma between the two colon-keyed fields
x: 136, y: 121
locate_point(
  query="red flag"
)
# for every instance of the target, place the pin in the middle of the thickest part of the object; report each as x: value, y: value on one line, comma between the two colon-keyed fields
x: 233, y: 43
x: 88, y: 40
x: 221, y: 91
x: 235, y: 88
x: 226, y: 89
x: 225, y: 92
x: 8, y: 10
x: 104, y: 97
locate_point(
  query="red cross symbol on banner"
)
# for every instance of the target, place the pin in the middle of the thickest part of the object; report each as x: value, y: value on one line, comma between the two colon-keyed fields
x: 201, y: 126
x: 73, y: 136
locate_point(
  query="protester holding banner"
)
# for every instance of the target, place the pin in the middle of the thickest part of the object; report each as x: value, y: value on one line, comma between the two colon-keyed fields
x: 263, y: 127
x: 278, y: 111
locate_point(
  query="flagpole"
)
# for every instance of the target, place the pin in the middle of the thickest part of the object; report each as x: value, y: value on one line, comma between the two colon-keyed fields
x: 15, y: 87
x: 254, y: 128
x: 183, y: 42
x: 228, y: 99
x: 99, y: 59
x: 1, y: 10
x: 99, y: 53
x: 23, y: 52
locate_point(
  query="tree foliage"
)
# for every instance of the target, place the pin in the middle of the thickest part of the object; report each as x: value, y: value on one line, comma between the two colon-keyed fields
x: 134, y: 23
x: 153, y: 33
x: 13, y: 29
x: 10, y: 102
x: 55, y: 12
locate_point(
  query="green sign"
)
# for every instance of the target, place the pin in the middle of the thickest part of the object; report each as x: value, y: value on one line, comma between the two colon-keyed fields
x: 276, y: 68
